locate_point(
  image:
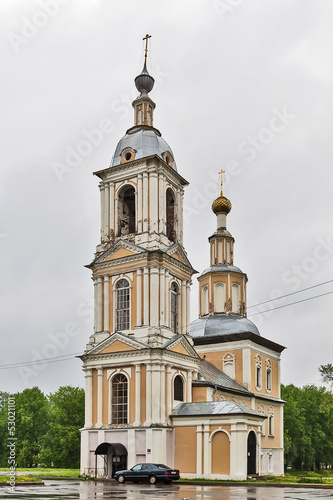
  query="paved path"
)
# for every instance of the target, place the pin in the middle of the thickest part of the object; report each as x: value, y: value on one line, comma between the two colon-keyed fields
x: 86, y: 490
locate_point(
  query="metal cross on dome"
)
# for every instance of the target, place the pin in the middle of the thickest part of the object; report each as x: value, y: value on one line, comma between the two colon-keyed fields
x: 146, y: 49
x: 221, y: 174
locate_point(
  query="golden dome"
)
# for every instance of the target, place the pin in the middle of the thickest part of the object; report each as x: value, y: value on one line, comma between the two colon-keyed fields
x: 221, y: 205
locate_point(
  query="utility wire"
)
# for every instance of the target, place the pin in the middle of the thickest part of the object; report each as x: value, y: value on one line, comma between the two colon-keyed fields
x: 67, y: 357
x: 291, y: 304
x: 56, y: 359
x: 289, y: 294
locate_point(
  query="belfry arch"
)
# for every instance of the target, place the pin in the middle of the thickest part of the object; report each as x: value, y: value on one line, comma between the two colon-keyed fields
x: 126, y: 211
x: 170, y: 215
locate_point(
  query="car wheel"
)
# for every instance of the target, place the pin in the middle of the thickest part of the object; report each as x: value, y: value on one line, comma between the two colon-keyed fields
x: 121, y: 479
x: 167, y: 481
x: 153, y: 479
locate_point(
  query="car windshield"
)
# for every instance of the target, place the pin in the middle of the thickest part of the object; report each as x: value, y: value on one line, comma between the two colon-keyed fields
x: 161, y: 466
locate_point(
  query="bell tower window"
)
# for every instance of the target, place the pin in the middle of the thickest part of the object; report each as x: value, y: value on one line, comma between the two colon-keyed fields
x: 123, y: 305
x: 178, y: 389
x: 119, y: 399
x: 174, y: 306
x: 126, y: 211
x: 170, y: 215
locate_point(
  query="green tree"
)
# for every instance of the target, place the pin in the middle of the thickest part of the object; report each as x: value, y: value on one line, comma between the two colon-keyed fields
x: 66, y: 416
x: 308, y: 426
x: 3, y: 428
x: 31, y: 425
x: 326, y: 372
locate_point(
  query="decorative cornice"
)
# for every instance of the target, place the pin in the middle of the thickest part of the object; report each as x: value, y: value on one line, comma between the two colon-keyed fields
x: 146, y: 161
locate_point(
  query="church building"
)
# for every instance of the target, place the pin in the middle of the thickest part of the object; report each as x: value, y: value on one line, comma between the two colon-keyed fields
x: 203, y: 397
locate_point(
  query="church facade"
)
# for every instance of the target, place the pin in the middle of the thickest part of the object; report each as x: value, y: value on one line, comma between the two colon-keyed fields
x: 202, y: 397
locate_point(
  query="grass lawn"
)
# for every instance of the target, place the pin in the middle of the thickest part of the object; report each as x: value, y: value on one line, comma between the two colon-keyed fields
x: 41, y: 472
x: 291, y: 476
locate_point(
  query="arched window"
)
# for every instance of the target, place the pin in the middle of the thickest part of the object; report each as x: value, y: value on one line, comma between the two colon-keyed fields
x: 204, y: 300
x: 219, y: 297
x: 268, y: 376
x: 170, y: 215
x: 271, y: 421
x: 126, y: 211
x: 122, y: 305
x: 235, y: 298
x: 178, y: 388
x: 119, y: 399
x: 228, y: 361
x: 174, y: 306
x: 258, y: 373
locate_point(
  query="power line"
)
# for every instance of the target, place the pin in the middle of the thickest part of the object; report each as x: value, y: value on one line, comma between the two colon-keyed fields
x: 291, y: 304
x: 56, y: 359
x: 289, y: 294
x: 68, y: 357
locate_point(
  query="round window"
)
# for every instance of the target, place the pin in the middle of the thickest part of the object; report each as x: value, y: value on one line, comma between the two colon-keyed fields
x: 128, y: 156
x: 167, y: 159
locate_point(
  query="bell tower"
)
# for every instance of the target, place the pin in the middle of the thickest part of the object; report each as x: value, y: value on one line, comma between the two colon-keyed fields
x: 141, y: 272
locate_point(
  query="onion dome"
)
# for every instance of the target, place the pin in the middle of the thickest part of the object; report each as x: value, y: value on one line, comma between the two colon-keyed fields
x: 144, y: 82
x: 221, y: 205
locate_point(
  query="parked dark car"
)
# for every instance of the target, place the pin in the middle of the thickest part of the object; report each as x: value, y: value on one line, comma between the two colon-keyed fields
x: 147, y: 472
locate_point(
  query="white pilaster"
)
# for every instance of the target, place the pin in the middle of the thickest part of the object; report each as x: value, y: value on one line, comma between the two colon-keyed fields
x: 139, y: 297
x: 145, y: 201
x: 238, y: 451
x: 99, y: 397
x: 106, y: 210
x: 162, y: 394
x: 247, y: 368
x: 98, y: 305
x: 181, y: 230
x: 106, y: 304
x: 153, y: 202
x: 167, y: 298
x: 131, y: 457
x: 179, y: 215
x: 146, y: 296
x: 184, y: 307
x: 156, y: 390
x: 154, y: 296
x: 188, y: 304
x: 88, y: 398
x: 148, y: 395
x: 162, y: 296
x: 206, y: 451
x: 139, y: 203
x: 102, y: 190
x: 199, y: 450
x: 137, y: 395
x: 161, y: 204
x: 189, y: 387
x: 168, y: 391
x: 112, y: 209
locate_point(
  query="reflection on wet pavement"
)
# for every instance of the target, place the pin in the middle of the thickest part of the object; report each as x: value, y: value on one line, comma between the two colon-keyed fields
x: 86, y: 490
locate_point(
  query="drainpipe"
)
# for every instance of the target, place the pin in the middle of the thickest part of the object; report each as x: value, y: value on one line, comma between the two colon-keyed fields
x: 215, y: 389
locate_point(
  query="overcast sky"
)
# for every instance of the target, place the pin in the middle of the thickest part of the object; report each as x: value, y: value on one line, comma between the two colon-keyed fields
x: 241, y: 85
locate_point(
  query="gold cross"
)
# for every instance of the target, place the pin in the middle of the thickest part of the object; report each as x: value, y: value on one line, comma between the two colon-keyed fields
x: 221, y: 173
x: 146, y: 49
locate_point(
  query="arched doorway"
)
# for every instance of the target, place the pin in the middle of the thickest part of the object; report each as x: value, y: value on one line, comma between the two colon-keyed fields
x: 114, y: 456
x: 251, y: 453
x: 220, y: 453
